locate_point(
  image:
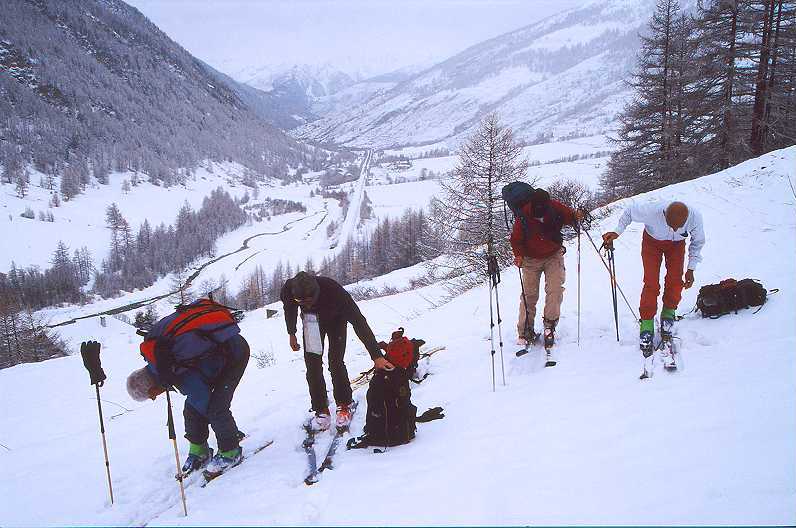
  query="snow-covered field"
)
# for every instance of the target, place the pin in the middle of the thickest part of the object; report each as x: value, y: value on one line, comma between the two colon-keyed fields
x: 585, y: 442
x: 81, y: 221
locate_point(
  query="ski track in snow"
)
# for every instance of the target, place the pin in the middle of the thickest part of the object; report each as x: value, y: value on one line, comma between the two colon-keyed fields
x: 585, y: 442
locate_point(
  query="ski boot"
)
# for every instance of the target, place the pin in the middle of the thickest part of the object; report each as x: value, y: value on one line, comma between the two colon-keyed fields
x: 667, y: 324
x: 525, y: 341
x: 549, y: 341
x: 344, y: 415
x: 321, y: 421
x: 199, y: 455
x: 646, y: 335
x: 550, y: 358
x: 549, y: 337
x: 667, y: 346
x: 223, y: 461
x: 550, y: 332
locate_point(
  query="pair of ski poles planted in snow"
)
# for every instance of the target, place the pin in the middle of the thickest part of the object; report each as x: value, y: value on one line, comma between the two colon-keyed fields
x: 90, y: 351
x: 610, y: 265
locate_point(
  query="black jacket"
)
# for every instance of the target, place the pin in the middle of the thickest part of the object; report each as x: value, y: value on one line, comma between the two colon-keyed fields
x: 334, y: 304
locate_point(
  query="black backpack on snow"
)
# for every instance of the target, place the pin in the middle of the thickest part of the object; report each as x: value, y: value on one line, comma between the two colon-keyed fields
x: 391, y: 417
x: 715, y: 300
x: 390, y: 420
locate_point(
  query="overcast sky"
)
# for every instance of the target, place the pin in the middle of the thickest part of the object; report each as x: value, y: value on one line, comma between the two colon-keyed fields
x: 366, y: 36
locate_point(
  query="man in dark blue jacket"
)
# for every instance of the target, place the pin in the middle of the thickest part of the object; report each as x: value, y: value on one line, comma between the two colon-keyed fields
x: 209, y: 384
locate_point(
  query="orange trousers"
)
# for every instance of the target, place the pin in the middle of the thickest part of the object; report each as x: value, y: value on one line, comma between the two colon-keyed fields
x: 652, y: 253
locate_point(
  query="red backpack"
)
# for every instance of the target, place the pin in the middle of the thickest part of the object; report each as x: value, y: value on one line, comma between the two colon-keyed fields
x: 191, y: 332
x: 401, y: 351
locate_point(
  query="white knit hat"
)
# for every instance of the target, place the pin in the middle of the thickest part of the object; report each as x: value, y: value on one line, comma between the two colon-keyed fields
x: 139, y: 383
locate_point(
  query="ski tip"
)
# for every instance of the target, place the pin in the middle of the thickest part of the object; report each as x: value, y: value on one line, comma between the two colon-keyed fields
x: 521, y: 352
x: 550, y: 364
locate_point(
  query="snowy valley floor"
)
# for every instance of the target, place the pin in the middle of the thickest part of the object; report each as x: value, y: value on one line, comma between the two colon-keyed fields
x: 585, y: 442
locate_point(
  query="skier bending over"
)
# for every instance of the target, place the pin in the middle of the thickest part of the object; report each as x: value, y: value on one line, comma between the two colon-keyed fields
x: 209, y: 385
x: 666, y: 227
x: 326, y: 309
x: 539, y: 249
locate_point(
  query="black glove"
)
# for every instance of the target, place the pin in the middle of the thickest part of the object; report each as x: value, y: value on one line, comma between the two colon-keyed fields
x: 164, y: 363
x: 90, y: 350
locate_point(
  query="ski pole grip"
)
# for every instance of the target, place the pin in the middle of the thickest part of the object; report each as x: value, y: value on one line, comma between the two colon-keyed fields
x: 90, y: 351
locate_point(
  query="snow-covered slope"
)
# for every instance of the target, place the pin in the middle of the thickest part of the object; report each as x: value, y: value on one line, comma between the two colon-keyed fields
x: 583, y: 443
x: 563, y: 74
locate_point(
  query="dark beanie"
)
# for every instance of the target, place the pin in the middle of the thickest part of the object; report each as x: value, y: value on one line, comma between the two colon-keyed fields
x: 304, y: 286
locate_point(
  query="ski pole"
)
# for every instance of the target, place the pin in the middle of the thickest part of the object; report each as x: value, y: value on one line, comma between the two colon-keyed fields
x: 492, y: 334
x: 618, y: 287
x: 90, y: 351
x: 578, y: 228
x: 494, y: 272
x: 609, y: 251
x: 524, y: 305
x: 173, y: 438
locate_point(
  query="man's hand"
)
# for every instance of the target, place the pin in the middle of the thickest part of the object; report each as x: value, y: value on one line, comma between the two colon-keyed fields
x: 155, y: 391
x: 294, y: 343
x: 609, y: 237
x: 689, y: 279
x: 518, y: 261
x: 579, y: 215
x: 381, y: 363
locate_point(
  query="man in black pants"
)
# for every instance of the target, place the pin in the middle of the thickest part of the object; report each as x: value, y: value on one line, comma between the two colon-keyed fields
x: 325, y: 299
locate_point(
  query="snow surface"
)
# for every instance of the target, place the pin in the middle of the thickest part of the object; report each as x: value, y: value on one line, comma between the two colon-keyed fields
x: 586, y: 442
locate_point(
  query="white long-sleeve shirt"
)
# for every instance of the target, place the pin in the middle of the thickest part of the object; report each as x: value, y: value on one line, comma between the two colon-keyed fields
x: 653, y: 216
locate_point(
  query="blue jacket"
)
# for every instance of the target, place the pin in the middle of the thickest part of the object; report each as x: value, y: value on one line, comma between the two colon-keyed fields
x: 197, y: 383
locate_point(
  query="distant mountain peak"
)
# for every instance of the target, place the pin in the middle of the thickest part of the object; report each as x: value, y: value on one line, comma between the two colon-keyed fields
x: 563, y: 74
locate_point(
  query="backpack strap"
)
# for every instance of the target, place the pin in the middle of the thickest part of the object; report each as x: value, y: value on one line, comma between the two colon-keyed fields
x: 175, y: 330
x: 435, y: 413
x: 768, y: 292
x: 420, y: 380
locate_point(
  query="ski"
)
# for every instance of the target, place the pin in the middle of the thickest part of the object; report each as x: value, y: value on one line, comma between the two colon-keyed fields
x: 671, y: 351
x: 328, y: 459
x: 309, y: 448
x: 210, y: 477
x: 647, y: 368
